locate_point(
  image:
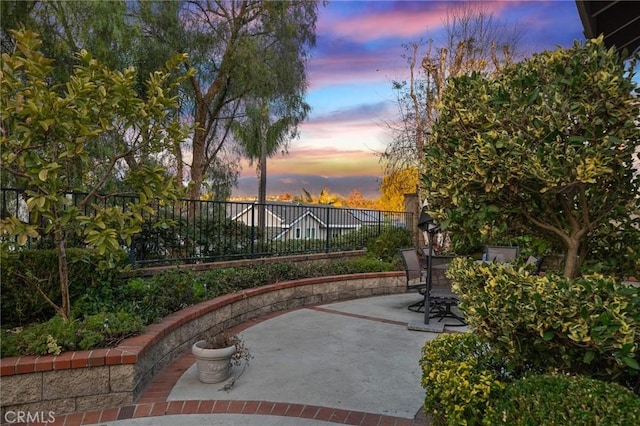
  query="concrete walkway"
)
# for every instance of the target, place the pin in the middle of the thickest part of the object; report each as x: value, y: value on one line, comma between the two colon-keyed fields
x: 352, y: 362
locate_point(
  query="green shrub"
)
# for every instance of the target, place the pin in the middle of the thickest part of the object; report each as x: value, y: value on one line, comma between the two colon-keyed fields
x: 589, y: 325
x: 174, y: 290
x: 57, y: 335
x: 615, y: 248
x: 361, y: 264
x: 141, y: 301
x: 357, y: 239
x: 158, y: 296
x: 460, y: 375
x: 23, y: 272
x: 386, y: 246
x: 564, y: 400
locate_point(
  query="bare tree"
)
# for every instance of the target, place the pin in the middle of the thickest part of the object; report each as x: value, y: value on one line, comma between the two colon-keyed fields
x: 475, y: 42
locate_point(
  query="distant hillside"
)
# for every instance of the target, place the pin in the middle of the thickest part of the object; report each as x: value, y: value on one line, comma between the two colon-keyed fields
x: 294, y: 184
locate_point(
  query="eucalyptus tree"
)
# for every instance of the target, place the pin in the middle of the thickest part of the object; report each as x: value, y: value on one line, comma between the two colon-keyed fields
x: 548, y: 144
x: 241, y: 49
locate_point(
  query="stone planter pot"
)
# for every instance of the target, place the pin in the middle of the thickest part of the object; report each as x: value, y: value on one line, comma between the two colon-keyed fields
x: 214, y: 365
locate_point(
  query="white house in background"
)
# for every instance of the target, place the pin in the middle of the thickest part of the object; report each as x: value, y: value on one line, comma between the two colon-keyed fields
x: 288, y: 221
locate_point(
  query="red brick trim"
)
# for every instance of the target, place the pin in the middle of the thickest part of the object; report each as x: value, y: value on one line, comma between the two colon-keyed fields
x: 129, y: 350
x: 285, y: 409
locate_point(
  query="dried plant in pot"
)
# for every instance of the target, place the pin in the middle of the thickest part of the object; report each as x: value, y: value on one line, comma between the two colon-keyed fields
x: 215, y: 355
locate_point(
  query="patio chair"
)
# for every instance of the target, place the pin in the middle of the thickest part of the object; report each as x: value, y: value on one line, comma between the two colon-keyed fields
x: 504, y: 254
x: 535, y: 263
x: 416, y: 276
x: 441, y: 298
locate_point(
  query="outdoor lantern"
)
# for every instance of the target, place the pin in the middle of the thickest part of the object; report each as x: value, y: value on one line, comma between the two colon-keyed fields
x: 426, y: 223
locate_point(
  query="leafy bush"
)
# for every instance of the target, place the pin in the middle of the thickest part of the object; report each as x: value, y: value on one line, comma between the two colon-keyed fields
x: 23, y: 272
x: 589, y: 325
x: 564, y: 400
x: 148, y: 298
x: 355, y: 240
x: 141, y: 301
x: 386, y: 246
x: 615, y: 248
x: 360, y: 264
x: 460, y: 375
x: 57, y: 335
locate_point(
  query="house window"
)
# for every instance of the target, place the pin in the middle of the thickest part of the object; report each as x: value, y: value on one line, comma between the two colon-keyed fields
x: 298, y: 233
x: 311, y: 233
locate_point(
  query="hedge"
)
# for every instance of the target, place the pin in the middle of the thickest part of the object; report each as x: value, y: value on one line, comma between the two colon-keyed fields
x: 589, y: 325
x: 564, y: 400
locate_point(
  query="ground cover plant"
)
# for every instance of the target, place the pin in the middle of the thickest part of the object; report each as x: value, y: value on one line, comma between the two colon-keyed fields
x: 108, y: 307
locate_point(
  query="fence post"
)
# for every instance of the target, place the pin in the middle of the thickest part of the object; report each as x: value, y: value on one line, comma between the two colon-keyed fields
x: 327, y: 244
x: 253, y: 231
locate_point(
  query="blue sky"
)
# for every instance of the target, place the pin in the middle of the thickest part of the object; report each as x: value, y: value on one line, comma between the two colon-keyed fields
x: 359, y: 52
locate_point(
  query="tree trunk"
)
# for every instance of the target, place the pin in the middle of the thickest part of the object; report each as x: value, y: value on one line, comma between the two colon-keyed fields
x: 417, y: 207
x: 63, y: 272
x: 262, y: 188
x: 571, y: 261
x: 198, y: 160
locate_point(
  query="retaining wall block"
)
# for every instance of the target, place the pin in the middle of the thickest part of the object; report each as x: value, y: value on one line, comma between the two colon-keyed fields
x: 122, y: 378
x: 76, y: 382
x: 55, y: 406
x: 21, y: 389
x: 299, y: 292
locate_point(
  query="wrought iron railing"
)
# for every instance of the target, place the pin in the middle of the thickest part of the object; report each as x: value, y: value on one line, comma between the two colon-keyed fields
x: 192, y: 231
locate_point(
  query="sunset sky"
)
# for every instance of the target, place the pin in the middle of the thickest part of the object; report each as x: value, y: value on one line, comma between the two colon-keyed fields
x: 359, y: 52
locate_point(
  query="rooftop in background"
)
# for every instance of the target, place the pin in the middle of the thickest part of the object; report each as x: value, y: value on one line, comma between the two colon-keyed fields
x: 619, y: 21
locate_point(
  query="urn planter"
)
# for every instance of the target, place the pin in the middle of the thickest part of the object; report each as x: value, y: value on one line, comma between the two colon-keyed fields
x: 214, y: 365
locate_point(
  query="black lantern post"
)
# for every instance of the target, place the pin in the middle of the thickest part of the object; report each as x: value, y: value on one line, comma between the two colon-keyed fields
x: 426, y: 223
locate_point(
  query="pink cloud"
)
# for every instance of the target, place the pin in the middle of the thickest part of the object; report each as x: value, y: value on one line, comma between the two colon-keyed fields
x: 398, y: 23
x: 405, y: 20
x: 360, y: 67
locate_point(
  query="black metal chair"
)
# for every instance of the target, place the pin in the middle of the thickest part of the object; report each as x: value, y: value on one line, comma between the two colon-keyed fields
x: 416, y: 276
x: 535, y: 263
x: 441, y: 298
x: 504, y: 254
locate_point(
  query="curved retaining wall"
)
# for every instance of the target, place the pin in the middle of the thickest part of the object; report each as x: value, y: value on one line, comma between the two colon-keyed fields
x: 104, y: 378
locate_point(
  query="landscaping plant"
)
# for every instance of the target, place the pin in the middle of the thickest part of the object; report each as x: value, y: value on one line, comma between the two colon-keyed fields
x: 131, y: 304
x: 78, y: 137
x: 563, y: 400
x: 589, y: 325
x: 548, y: 145
x: 460, y: 375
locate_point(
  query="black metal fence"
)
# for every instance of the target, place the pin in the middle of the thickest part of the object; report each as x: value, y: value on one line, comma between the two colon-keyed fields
x: 193, y: 231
